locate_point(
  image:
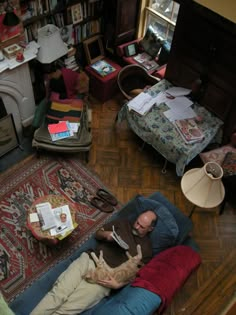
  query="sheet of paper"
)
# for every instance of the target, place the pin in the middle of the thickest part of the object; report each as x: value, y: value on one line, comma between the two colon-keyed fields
x: 74, y: 127
x: 173, y: 115
x: 65, y: 225
x: 178, y: 103
x: 160, y: 98
x: 139, y: 101
x: 34, y: 217
x: 178, y: 91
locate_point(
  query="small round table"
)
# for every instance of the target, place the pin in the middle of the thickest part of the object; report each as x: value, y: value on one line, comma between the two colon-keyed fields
x: 35, y: 227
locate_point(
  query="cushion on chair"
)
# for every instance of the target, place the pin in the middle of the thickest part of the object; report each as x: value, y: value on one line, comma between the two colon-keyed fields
x: 67, y: 109
x: 216, y: 155
x: 229, y: 164
x: 152, y: 42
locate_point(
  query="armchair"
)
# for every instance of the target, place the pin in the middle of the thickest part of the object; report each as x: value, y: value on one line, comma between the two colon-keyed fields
x: 153, y: 45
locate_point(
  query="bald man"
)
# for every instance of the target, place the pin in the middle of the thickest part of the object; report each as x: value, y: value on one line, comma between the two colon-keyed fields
x: 72, y: 294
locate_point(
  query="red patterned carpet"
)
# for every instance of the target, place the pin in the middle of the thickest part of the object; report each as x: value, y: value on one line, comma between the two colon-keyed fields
x: 23, y: 259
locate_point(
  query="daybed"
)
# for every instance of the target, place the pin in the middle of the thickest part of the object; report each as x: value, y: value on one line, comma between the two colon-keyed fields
x: 173, y: 228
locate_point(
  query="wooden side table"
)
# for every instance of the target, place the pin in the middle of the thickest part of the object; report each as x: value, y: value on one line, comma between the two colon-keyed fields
x: 35, y: 227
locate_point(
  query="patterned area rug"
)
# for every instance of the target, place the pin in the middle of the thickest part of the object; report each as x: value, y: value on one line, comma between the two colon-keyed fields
x: 23, y: 259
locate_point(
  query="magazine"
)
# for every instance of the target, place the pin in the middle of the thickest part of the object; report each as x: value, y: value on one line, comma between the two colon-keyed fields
x: 142, y: 57
x: 146, y: 61
x: 189, y: 130
x: 103, y: 68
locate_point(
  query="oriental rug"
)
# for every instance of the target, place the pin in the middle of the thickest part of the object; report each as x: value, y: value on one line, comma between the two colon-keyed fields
x: 23, y: 259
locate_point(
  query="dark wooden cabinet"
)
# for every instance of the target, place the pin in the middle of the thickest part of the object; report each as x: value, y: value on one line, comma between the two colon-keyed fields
x: 120, y: 21
x: 204, y: 47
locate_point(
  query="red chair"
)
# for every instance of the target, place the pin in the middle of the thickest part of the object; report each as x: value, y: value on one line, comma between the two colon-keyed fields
x: 153, y: 45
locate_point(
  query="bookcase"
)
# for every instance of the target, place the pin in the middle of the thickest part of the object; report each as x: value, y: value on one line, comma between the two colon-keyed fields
x: 77, y: 19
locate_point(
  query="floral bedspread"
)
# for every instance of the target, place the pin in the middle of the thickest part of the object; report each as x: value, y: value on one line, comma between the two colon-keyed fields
x: 155, y: 129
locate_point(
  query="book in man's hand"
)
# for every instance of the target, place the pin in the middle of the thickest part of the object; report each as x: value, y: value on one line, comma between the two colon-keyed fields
x: 189, y: 130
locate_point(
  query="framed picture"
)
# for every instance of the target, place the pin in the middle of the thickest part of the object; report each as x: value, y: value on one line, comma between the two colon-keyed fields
x: 8, y: 136
x: 93, y: 48
x: 77, y: 13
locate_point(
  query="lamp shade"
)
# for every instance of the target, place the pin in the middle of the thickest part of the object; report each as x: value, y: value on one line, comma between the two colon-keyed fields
x: 51, y: 45
x: 203, y: 186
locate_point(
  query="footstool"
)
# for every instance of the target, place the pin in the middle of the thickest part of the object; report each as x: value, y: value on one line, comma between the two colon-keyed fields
x: 103, y: 88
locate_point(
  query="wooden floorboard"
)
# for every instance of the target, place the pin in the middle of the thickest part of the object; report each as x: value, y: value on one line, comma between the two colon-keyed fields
x: 127, y: 169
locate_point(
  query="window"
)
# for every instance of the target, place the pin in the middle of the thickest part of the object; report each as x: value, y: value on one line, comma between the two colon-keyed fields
x: 162, y: 15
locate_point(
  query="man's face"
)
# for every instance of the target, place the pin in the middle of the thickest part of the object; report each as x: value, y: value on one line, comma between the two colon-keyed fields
x: 142, y: 225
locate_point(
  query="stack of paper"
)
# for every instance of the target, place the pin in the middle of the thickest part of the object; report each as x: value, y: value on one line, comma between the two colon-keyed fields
x: 142, y: 103
x: 45, y: 214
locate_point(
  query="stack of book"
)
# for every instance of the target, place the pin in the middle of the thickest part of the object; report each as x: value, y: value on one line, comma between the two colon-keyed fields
x: 189, y: 130
x: 62, y: 130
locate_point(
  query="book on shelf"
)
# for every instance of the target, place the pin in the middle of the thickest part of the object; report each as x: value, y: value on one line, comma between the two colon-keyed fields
x: 146, y: 61
x: 189, y: 130
x: 103, y: 68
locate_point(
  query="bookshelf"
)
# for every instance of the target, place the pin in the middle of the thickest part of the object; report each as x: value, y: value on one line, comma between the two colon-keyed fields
x: 82, y: 19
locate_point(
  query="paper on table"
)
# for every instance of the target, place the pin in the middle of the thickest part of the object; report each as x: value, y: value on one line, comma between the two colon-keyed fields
x: 62, y: 227
x: 178, y: 103
x: 173, y: 115
x: 34, y: 217
x: 177, y: 91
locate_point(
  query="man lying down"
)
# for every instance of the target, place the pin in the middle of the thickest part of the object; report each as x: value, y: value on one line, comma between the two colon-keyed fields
x: 79, y: 288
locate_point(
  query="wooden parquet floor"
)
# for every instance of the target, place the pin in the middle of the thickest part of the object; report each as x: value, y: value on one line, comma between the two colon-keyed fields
x: 116, y: 156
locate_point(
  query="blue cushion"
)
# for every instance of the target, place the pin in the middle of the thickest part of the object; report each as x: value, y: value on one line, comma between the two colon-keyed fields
x: 151, y: 42
x: 128, y: 301
x: 185, y: 225
x: 166, y: 230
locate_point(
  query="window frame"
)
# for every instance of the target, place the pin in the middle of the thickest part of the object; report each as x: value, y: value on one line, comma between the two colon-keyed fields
x: 148, y: 11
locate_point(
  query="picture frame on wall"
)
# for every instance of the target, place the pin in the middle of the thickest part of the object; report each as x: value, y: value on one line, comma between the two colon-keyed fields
x: 77, y: 13
x: 8, y: 136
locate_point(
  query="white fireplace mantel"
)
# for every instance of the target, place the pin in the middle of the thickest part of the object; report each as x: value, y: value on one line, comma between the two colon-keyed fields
x: 17, y: 92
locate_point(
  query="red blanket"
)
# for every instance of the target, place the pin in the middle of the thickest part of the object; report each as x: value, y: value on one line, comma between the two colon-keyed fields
x: 167, y: 272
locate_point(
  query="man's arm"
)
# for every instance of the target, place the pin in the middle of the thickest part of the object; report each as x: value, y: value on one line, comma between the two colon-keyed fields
x: 103, y: 235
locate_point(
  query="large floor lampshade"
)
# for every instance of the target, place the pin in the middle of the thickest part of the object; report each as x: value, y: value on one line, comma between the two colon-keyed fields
x: 51, y: 44
x: 203, y: 186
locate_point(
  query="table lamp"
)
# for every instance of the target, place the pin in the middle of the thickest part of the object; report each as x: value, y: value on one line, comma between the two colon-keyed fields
x: 203, y: 186
x: 51, y: 44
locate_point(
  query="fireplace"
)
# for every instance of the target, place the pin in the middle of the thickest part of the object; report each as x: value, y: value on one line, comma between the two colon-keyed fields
x: 17, y: 95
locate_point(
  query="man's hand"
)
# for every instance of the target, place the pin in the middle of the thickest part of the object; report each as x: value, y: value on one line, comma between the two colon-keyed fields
x: 111, y: 283
x: 104, y: 235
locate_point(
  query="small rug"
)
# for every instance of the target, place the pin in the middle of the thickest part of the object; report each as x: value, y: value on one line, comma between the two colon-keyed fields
x: 23, y: 259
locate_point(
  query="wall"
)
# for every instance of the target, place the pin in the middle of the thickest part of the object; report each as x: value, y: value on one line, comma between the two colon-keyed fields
x: 227, y: 9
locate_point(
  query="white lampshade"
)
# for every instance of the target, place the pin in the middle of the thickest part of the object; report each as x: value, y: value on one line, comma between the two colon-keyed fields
x: 203, y: 186
x: 51, y: 44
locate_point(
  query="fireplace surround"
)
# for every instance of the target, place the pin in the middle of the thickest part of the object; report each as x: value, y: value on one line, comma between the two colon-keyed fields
x: 17, y: 95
